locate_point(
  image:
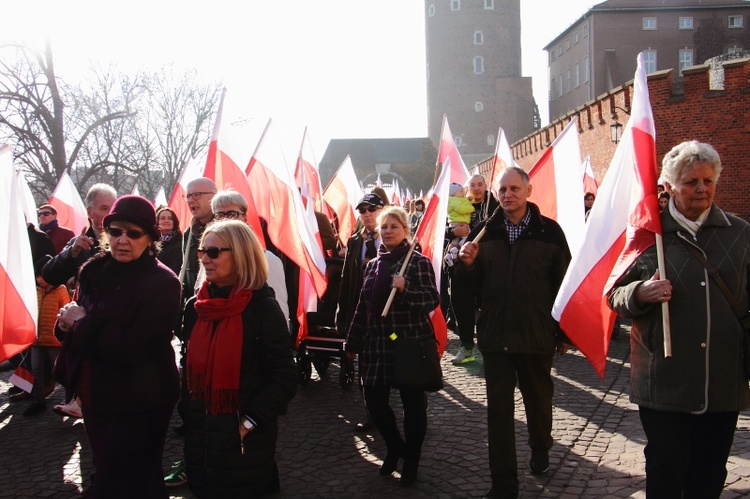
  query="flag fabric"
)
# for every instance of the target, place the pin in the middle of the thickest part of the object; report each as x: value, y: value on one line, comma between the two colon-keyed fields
x: 71, y: 212
x: 135, y: 191
x: 307, y: 299
x: 556, y: 186
x: 225, y: 153
x: 621, y: 225
x: 27, y: 198
x: 18, y: 307
x: 307, y: 176
x: 280, y: 204
x: 589, y: 179
x: 458, y: 174
x: 431, y: 237
x: 503, y: 158
x: 177, y: 202
x: 161, y: 198
x: 22, y: 378
x: 342, y: 194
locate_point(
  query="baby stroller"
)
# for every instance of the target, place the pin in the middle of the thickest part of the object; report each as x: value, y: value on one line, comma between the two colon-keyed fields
x: 323, y: 342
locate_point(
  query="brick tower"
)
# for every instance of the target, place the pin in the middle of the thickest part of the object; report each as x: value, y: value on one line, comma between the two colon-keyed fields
x: 474, y: 77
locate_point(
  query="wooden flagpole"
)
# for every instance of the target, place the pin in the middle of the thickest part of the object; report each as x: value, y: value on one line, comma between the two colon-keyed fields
x: 664, y: 305
x: 401, y: 272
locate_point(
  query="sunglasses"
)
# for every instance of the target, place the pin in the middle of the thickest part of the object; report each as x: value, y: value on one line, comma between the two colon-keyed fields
x: 212, y: 252
x: 197, y: 195
x: 131, y: 233
x: 371, y: 209
x: 227, y: 215
x: 44, y: 213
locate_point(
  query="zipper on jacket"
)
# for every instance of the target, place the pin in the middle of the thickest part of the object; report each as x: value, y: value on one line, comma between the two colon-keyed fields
x: 242, y: 441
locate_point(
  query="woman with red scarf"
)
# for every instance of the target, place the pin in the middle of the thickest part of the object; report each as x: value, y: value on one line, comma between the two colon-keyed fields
x: 370, y: 336
x: 240, y: 369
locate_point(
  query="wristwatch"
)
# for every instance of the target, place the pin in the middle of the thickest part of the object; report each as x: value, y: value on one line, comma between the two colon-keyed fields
x: 247, y: 423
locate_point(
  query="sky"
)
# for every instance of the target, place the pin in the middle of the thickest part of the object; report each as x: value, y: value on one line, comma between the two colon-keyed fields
x: 341, y: 68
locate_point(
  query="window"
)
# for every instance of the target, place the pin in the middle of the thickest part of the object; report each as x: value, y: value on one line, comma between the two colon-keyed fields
x: 567, y: 77
x: 455, y: 5
x: 459, y: 139
x: 478, y: 65
x: 478, y: 106
x: 686, y: 23
x: 559, y: 50
x: 649, y: 23
x: 567, y: 44
x: 686, y: 59
x: 559, y: 85
x: 431, y: 10
x: 735, y: 21
x: 490, y: 140
x: 575, y: 37
x: 586, y: 30
x: 552, y: 55
x: 478, y: 38
x: 586, y: 69
x: 649, y: 61
x: 577, y: 75
x: 489, y: 4
x: 552, y: 89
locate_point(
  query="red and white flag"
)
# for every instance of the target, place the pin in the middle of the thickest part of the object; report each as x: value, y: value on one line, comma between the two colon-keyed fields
x: 225, y: 153
x: 342, y: 194
x: 161, y: 198
x: 589, y: 179
x: 135, y: 191
x: 192, y: 170
x: 280, y: 204
x: 556, y: 184
x: 18, y: 302
x: 22, y: 378
x: 619, y: 229
x: 71, y: 212
x: 503, y: 159
x: 448, y: 149
x: 307, y: 176
x: 27, y: 198
x: 431, y: 237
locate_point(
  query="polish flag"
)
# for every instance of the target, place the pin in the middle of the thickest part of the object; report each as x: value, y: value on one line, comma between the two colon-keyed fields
x: 618, y: 231
x: 280, y: 204
x: 503, y: 159
x: 225, y: 153
x: 177, y: 202
x: 448, y: 149
x: 589, y: 179
x: 557, y: 185
x: 135, y: 191
x: 307, y: 299
x: 431, y: 237
x: 307, y: 176
x: 71, y: 212
x: 27, y: 198
x: 18, y: 306
x: 161, y: 198
x: 342, y: 194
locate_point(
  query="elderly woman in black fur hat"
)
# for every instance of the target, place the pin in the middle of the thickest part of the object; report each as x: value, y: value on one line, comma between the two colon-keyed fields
x: 117, y: 357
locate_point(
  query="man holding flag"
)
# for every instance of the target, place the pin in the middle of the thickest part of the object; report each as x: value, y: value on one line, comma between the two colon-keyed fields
x: 519, y: 266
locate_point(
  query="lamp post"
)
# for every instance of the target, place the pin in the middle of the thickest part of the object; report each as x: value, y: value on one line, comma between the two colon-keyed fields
x: 615, y: 130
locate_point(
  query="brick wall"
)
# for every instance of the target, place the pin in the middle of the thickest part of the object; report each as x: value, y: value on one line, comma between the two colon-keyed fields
x: 720, y: 117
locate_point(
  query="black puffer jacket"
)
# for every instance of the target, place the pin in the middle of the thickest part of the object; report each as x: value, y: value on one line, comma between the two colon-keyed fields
x: 518, y: 283
x: 216, y: 466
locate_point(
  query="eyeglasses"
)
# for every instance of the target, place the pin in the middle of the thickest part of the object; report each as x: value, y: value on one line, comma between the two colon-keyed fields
x: 44, y: 213
x: 228, y: 215
x: 371, y: 209
x: 212, y: 252
x: 131, y: 233
x: 197, y: 195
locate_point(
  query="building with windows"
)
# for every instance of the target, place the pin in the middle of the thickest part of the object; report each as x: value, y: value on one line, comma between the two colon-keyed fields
x: 598, y: 52
x: 474, y: 77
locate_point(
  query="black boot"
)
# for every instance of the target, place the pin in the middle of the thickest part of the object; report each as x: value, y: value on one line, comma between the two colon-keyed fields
x: 409, y: 473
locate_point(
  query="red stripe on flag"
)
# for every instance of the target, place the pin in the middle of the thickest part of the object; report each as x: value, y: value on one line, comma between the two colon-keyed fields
x: 18, y: 328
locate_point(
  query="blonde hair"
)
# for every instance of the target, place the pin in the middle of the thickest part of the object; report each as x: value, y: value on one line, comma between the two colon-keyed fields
x: 250, y: 263
x: 399, y: 214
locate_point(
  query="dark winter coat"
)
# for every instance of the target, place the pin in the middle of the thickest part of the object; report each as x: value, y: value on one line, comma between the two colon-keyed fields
x: 64, y: 265
x: 216, y: 466
x: 519, y: 283
x: 705, y: 371
x: 352, y: 276
x: 170, y: 253
x: 125, y: 338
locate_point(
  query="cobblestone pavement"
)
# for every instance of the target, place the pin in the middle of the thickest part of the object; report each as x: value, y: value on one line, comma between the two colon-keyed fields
x: 597, y: 451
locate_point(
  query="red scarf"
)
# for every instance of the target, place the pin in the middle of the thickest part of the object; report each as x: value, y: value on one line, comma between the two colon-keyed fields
x: 214, y: 354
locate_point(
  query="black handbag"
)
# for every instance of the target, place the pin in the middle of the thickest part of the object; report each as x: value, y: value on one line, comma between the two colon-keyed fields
x: 416, y: 364
x: 739, y: 311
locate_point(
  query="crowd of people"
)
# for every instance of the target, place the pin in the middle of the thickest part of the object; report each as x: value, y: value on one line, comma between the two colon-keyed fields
x: 113, y: 299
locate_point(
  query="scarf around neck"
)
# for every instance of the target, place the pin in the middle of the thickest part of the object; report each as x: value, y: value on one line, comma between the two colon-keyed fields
x: 214, y: 354
x: 47, y: 227
x: 164, y: 238
x: 688, y: 225
x: 381, y: 287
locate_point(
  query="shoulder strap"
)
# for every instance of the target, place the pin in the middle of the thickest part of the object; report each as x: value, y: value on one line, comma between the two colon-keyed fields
x: 713, y: 272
